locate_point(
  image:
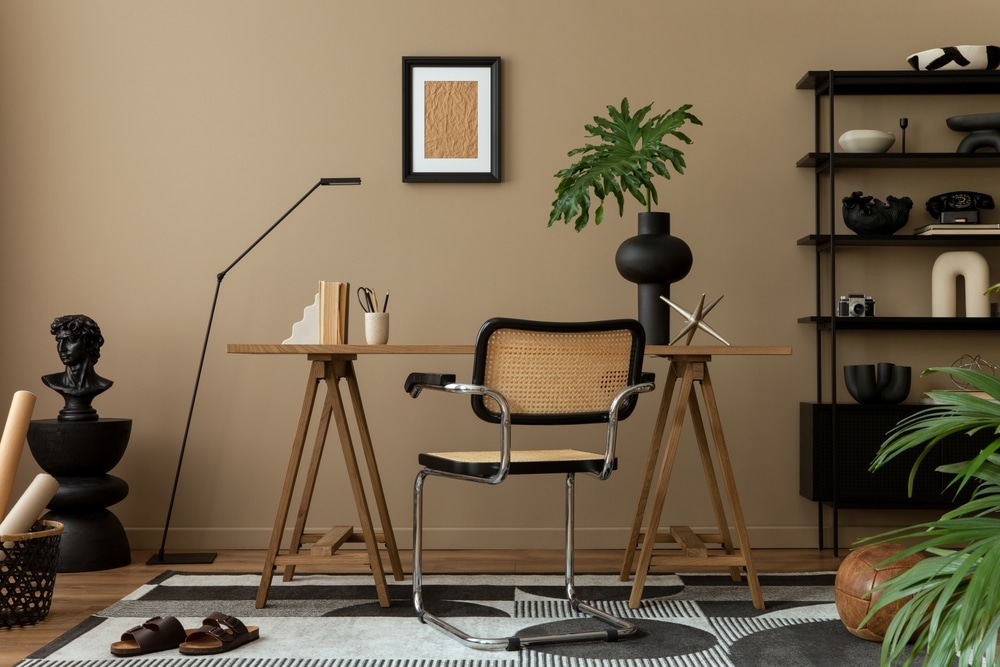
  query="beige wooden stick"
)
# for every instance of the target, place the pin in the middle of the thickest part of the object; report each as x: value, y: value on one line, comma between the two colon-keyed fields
x: 12, y: 442
x: 30, y: 505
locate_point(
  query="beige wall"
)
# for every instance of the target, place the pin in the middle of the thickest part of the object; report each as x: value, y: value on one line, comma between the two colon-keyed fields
x: 146, y: 144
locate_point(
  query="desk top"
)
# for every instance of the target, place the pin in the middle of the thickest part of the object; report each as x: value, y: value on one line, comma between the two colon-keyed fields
x: 653, y: 350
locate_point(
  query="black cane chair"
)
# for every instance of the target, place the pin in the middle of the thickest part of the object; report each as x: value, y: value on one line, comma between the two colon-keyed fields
x: 538, y: 373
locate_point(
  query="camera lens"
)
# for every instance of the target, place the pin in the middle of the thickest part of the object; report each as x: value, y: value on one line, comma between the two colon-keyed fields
x: 858, y: 309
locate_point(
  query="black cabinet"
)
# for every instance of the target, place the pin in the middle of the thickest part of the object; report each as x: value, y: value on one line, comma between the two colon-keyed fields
x: 842, y: 473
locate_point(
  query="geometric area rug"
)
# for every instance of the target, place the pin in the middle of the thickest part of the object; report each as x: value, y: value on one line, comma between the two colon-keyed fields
x: 321, y: 620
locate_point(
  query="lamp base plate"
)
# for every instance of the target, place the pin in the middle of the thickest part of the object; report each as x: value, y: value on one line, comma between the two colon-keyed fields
x: 181, y: 559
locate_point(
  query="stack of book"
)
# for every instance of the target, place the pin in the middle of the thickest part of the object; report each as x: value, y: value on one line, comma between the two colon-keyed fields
x: 324, y: 321
x: 951, y: 229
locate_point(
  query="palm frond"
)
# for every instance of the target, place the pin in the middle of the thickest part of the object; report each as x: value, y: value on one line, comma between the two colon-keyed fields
x: 951, y: 601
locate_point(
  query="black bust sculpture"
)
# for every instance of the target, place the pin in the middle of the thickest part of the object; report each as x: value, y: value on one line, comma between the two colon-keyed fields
x: 79, y: 341
x: 79, y: 449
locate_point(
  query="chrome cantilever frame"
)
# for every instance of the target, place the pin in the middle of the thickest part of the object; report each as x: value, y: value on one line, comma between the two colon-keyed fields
x: 620, y: 627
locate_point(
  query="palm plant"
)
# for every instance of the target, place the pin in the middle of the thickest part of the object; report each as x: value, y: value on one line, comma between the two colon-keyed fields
x: 630, y: 155
x: 952, y: 608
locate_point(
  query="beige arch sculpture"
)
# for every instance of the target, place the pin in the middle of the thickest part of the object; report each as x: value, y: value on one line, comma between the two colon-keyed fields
x: 947, y: 268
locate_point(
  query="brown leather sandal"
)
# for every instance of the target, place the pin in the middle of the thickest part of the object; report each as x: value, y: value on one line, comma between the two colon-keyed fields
x: 160, y: 633
x: 218, y: 634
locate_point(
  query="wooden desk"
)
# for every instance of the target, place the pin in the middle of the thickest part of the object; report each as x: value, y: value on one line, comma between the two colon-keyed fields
x: 690, y: 366
x: 331, y: 364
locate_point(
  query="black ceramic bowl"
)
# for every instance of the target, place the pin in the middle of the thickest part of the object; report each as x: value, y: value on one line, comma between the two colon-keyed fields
x: 867, y: 215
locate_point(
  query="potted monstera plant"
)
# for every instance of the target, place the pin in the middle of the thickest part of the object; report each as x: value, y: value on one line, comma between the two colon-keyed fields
x: 631, y: 152
x: 951, y: 608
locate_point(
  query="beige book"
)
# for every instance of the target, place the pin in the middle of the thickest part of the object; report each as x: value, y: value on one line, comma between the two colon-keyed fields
x: 334, y: 306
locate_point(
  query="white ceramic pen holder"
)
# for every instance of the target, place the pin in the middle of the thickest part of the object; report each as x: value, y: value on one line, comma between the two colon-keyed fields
x: 377, y: 328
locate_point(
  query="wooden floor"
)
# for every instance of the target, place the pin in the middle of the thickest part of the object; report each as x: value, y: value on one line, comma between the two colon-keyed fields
x: 81, y: 594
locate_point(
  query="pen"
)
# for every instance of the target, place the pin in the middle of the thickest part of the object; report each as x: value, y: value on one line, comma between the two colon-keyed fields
x: 385, y: 304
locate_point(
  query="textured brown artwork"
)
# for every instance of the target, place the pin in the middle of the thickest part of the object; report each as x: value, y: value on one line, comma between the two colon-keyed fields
x: 451, y: 119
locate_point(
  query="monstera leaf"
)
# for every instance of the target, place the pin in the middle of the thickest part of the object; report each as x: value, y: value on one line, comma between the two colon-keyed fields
x: 630, y: 155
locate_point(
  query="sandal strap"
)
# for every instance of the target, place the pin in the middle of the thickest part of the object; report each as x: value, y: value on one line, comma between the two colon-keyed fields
x: 215, y: 625
x: 153, y: 633
x: 233, y: 623
x: 151, y: 625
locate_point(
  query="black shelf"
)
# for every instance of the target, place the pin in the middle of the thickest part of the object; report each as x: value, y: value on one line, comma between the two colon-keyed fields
x: 821, y: 161
x: 822, y: 241
x: 904, y: 323
x: 902, y: 82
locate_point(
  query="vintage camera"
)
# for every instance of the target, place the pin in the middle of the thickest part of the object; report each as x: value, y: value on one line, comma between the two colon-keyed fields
x: 856, y: 305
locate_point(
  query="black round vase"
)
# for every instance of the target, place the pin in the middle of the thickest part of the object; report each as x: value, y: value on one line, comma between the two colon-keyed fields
x: 653, y: 259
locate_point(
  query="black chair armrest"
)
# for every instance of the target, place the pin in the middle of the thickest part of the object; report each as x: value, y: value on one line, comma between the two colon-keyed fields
x: 647, y: 377
x: 415, y: 382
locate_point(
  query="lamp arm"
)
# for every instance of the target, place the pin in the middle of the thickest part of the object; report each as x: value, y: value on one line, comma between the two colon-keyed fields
x: 260, y: 238
x: 158, y: 557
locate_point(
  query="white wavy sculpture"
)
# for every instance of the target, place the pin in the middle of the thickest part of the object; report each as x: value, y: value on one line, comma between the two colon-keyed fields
x: 306, y: 330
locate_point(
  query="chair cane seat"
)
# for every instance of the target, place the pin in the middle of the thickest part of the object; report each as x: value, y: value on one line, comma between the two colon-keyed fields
x: 523, y: 462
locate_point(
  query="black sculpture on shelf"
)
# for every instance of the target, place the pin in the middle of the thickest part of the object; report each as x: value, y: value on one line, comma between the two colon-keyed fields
x: 867, y: 215
x: 983, y: 131
x: 79, y: 448
x: 890, y: 385
x: 79, y: 341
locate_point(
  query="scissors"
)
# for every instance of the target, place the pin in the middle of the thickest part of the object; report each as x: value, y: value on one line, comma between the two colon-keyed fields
x: 367, y: 299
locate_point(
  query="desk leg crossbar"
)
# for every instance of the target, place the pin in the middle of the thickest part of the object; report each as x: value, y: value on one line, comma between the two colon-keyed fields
x: 692, y: 551
x: 322, y: 546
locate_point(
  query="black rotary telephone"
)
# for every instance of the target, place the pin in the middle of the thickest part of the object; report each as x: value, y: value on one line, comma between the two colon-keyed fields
x: 958, y: 207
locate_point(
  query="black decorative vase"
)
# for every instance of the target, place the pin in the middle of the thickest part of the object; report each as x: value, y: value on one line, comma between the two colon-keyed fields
x: 653, y: 260
x: 888, y: 385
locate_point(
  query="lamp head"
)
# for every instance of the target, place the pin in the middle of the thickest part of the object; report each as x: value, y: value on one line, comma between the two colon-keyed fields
x: 352, y: 180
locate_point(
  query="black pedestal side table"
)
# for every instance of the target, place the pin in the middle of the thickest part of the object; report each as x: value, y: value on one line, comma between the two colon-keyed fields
x: 80, y: 455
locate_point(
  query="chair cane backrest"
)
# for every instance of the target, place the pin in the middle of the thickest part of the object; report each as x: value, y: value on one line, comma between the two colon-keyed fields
x: 557, y: 372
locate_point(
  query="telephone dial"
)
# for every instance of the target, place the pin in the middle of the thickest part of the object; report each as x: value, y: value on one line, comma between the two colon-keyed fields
x: 958, y: 207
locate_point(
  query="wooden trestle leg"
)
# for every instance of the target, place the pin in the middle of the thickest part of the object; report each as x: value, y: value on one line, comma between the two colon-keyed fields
x: 331, y: 369
x: 691, y: 370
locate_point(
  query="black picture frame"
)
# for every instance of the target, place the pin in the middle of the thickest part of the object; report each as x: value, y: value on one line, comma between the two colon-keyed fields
x: 475, y: 149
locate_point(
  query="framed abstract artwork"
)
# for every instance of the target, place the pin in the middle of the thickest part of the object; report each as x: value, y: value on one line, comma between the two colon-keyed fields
x: 451, y: 119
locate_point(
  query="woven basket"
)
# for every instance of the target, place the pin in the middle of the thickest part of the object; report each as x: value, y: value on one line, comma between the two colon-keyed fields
x: 28, y: 574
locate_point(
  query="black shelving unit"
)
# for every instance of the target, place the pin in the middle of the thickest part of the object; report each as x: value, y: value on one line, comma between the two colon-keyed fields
x: 825, y: 417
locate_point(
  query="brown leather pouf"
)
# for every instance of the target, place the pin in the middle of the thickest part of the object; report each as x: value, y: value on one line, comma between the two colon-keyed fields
x: 857, y: 576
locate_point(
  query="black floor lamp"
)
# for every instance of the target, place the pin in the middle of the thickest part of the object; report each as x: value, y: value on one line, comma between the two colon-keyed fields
x: 161, y: 558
